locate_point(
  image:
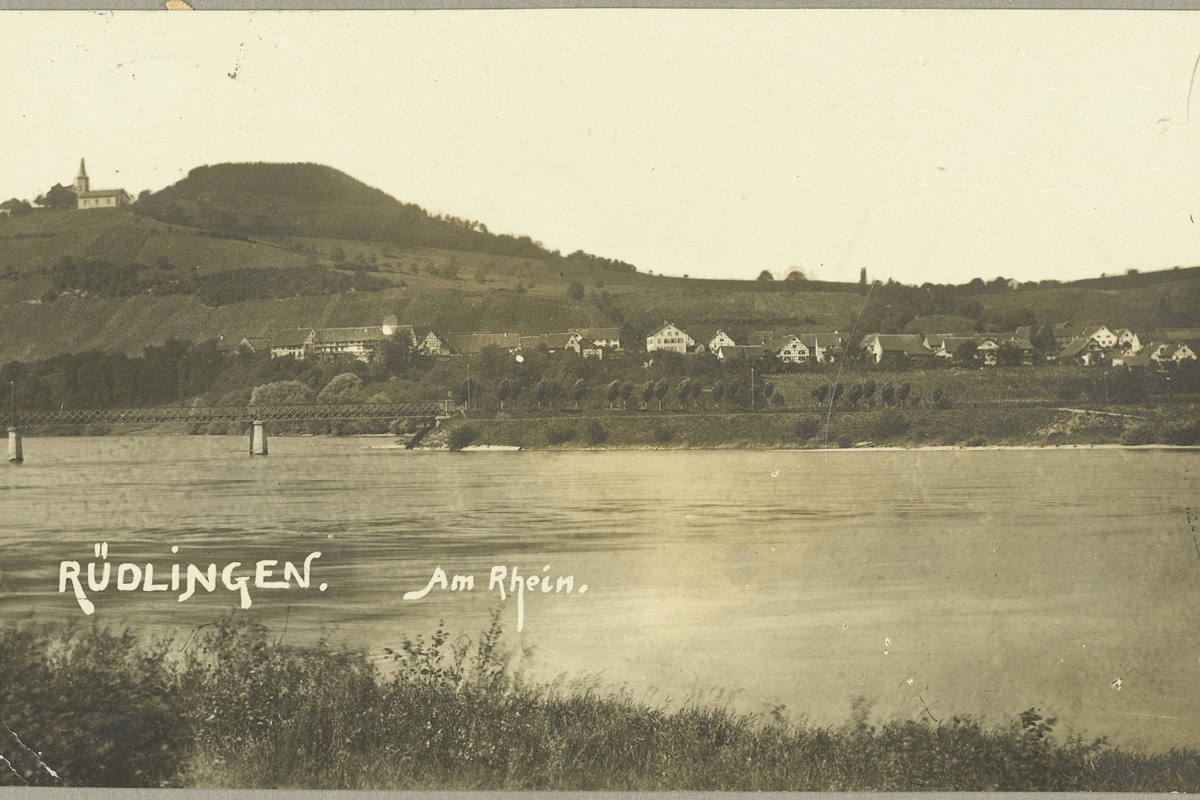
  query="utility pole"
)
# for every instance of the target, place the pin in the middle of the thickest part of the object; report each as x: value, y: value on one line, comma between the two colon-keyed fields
x: 468, y: 385
x: 752, y: 388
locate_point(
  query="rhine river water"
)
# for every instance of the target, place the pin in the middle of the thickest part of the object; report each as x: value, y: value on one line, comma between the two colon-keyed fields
x: 937, y: 583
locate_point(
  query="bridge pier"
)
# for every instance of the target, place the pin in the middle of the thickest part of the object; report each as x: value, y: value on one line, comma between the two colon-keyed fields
x: 14, y: 446
x: 258, y: 439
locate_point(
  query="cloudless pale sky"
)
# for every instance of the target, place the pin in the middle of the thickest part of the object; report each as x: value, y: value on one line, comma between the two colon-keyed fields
x: 923, y: 145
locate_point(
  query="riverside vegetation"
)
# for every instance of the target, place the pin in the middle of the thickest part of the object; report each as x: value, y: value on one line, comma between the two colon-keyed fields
x: 232, y: 706
x: 627, y: 400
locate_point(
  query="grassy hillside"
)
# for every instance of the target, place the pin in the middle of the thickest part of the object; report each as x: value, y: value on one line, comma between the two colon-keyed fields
x: 449, y: 274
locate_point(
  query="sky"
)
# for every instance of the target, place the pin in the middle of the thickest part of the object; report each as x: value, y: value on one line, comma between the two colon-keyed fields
x: 921, y: 145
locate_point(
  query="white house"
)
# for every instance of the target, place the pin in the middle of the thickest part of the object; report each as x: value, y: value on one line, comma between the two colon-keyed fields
x: 1102, y: 336
x: 1128, y: 341
x: 669, y: 338
x: 293, y: 344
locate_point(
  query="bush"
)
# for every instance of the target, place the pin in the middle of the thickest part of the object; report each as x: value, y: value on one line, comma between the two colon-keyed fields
x: 462, y: 436
x: 1144, y: 433
x: 891, y: 424
x: 595, y: 433
x: 558, y: 434
x: 808, y: 427
x: 101, y: 708
x: 663, y: 434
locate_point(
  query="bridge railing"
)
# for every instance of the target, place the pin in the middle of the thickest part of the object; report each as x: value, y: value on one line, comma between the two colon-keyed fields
x: 283, y: 412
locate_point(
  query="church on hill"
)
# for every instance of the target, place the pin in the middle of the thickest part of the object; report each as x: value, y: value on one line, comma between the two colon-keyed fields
x: 100, y: 198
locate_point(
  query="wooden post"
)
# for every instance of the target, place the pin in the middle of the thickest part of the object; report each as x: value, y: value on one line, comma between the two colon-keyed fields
x: 258, y: 439
x: 14, y: 446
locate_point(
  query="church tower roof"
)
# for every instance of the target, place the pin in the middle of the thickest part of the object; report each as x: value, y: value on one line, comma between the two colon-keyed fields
x: 82, y: 170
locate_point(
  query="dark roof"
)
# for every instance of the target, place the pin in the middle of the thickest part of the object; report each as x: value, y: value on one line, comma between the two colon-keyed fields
x: 371, y: 333
x: 598, y: 333
x: 290, y: 338
x: 1074, y: 348
x: 475, y: 342
x: 910, y: 344
x: 553, y: 341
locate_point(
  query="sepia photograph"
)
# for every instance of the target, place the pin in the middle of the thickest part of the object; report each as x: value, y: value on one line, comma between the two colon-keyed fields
x: 600, y: 399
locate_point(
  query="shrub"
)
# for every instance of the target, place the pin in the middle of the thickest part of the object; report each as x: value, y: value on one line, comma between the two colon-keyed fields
x: 558, y: 434
x: 462, y: 436
x: 595, y: 433
x: 663, y: 434
x: 102, y: 708
x: 808, y: 427
x: 891, y: 424
x: 1144, y: 433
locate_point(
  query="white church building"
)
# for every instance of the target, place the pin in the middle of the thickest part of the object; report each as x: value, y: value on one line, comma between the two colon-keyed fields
x: 100, y: 198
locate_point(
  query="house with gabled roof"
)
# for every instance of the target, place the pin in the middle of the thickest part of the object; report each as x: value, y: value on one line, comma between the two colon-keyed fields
x: 1128, y: 341
x: 1080, y: 350
x: 1175, y: 352
x: 881, y: 346
x: 791, y: 349
x: 736, y: 353
x: 820, y: 345
x: 1102, y: 336
x: 584, y: 347
x: 603, y: 337
x: 551, y: 342
x: 360, y: 343
x: 295, y: 344
x: 671, y: 338
x: 431, y: 343
x: 710, y: 338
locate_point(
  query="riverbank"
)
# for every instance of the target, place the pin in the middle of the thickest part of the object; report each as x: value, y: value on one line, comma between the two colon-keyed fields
x: 893, y: 428
x: 235, y: 708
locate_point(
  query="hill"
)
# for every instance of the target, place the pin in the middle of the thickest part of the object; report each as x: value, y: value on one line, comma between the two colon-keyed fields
x: 316, y: 201
x: 237, y: 249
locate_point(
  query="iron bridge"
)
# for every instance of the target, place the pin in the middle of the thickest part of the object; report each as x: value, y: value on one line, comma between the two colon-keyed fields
x: 289, y: 412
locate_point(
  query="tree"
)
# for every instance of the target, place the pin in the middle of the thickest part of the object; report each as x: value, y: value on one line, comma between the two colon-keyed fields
x: 575, y: 291
x: 683, y: 391
x: 337, y: 254
x: 967, y: 352
x: 578, y: 391
x: 626, y: 393
x: 396, y: 354
x: 647, y: 392
x: 1009, y: 355
x: 766, y: 275
x: 869, y: 392
x: 903, y: 393
x: 544, y: 392
x: 280, y: 393
x: 888, y: 394
x: 796, y: 276
x: 345, y: 388
x: 17, y: 208
x: 59, y: 198
x: 855, y: 394
x: 612, y: 393
x: 503, y: 390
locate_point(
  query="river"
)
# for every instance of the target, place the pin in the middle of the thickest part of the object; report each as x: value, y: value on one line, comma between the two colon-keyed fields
x: 931, y: 583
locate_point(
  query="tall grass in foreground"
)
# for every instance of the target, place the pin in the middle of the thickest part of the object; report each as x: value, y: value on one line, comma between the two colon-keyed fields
x: 232, y: 708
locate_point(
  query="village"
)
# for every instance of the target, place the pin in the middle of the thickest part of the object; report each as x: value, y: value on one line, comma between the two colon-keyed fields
x: 1091, y: 346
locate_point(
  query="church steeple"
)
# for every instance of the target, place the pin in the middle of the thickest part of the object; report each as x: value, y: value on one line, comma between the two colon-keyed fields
x: 81, y: 180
